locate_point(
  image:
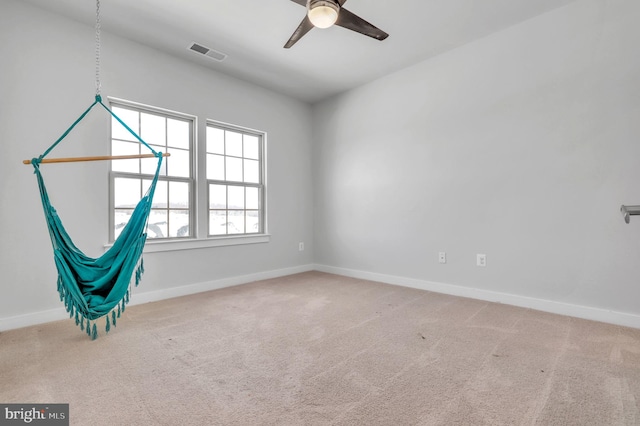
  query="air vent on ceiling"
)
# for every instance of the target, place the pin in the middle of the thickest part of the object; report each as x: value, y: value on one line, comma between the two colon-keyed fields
x: 213, y: 54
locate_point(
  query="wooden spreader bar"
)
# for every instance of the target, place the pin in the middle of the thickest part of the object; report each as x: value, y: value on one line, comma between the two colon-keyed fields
x: 96, y: 158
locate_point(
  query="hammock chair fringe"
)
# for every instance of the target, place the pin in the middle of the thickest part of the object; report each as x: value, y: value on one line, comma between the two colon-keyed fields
x: 81, y: 316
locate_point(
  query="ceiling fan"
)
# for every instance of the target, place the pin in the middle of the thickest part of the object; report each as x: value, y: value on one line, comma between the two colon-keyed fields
x: 325, y: 13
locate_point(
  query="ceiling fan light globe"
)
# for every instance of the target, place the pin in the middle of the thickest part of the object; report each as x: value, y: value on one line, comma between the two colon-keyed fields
x: 322, y: 14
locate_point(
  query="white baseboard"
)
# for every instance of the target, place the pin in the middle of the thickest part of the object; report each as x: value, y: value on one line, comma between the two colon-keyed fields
x: 138, y: 298
x: 578, y: 311
x: 169, y: 293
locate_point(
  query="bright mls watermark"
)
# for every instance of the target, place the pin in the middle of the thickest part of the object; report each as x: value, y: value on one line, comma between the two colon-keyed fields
x: 34, y: 414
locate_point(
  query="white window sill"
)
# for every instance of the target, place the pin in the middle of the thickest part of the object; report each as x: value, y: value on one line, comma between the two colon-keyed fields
x: 153, y: 246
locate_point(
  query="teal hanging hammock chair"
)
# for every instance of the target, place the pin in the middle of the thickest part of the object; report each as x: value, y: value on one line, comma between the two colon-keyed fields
x: 92, y: 288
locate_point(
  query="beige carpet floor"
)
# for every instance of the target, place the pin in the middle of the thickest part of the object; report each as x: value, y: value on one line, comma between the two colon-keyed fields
x: 320, y: 349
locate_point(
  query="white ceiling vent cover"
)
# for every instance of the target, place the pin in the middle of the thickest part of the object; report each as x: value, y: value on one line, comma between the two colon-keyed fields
x: 213, y: 54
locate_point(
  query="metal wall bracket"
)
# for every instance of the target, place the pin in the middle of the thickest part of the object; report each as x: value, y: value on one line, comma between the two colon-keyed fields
x: 628, y: 211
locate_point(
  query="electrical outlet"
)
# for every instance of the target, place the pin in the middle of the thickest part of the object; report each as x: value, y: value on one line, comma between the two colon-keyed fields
x: 442, y: 257
x: 481, y: 259
x: 300, y: 246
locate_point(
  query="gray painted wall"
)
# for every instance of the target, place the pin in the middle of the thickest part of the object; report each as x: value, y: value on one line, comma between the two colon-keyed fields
x: 522, y: 145
x: 47, y: 80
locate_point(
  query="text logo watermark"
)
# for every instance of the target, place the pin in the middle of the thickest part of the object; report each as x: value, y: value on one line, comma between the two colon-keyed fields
x: 34, y: 414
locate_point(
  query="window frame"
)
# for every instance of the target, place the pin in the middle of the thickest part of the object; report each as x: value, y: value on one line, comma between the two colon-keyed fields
x: 191, y: 180
x: 199, y: 187
x: 261, y: 185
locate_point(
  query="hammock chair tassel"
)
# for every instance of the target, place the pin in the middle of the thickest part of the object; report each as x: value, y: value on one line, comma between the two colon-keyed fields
x: 60, y: 289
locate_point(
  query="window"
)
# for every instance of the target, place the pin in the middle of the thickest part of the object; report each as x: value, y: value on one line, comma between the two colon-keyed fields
x: 235, y: 170
x: 172, y: 213
x: 230, y: 181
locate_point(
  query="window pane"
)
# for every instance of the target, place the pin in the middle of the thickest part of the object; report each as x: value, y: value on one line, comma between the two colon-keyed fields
x: 159, y: 148
x: 125, y: 148
x: 121, y: 218
x: 253, y: 222
x: 233, y: 143
x: 217, y: 196
x: 251, y: 171
x: 153, y: 130
x: 215, y: 167
x: 217, y: 222
x: 148, y: 166
x: 126, y: 192
x: 178, y: 163
x: 235, y: 224
x: 253, y: 198
x: 178, y: 195
x: 236, y: 197
x: 251, y: 147
x: 160, y: 196
x: 215, y: 140
x: 179, y: 223
x: 158, y: 225
x: 130, y: 118
x: 178, y: 133
x: 234, y: 169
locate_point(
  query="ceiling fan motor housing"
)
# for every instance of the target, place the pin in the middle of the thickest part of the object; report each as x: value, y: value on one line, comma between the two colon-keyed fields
x: 323, y: 13
x: 312, y: 4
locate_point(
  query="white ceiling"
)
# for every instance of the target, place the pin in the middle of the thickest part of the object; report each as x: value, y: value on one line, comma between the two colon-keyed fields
x: 324, y: 62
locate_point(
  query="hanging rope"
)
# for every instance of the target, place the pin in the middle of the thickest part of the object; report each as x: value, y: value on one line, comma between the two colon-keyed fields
x: 98, y: 84
x: 98, y: 100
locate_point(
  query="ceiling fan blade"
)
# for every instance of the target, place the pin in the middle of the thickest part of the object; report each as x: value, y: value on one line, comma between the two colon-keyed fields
x: 352, y: 22
x: 304, y: 27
